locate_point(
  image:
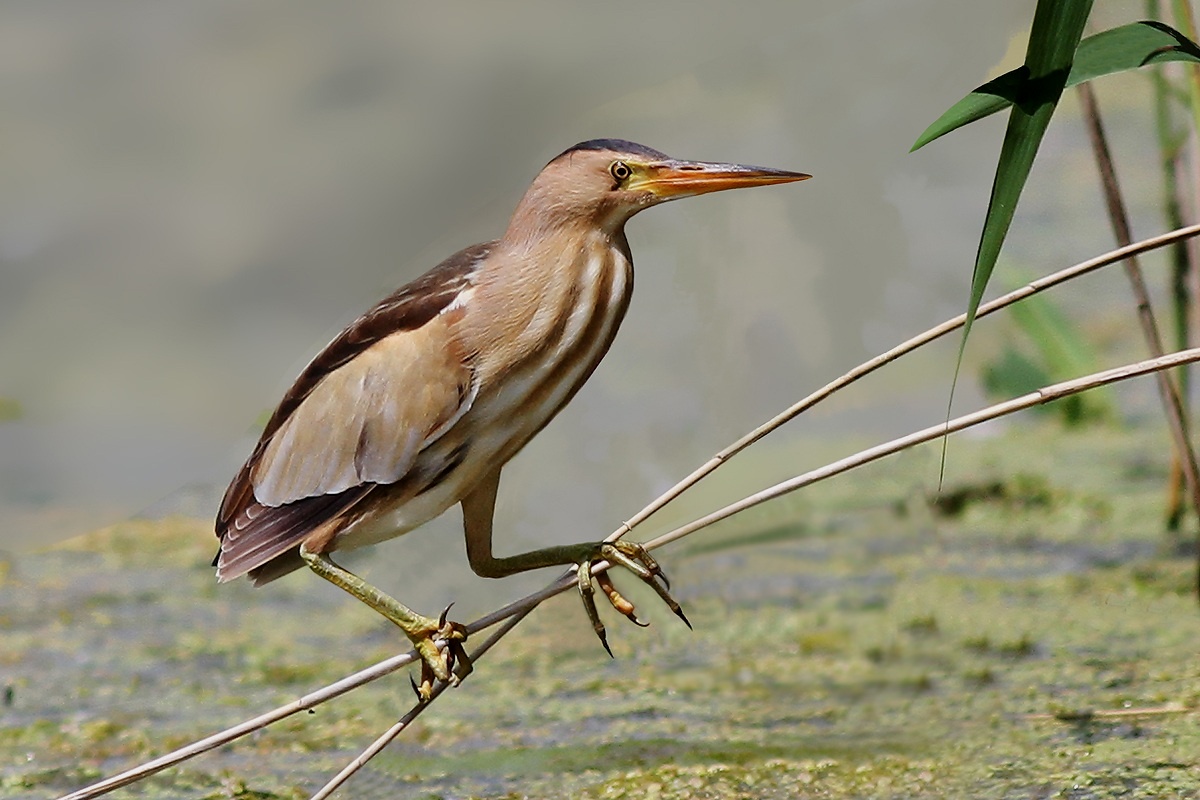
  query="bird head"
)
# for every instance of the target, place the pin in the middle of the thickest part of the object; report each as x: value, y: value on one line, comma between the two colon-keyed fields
x: 603, y: 182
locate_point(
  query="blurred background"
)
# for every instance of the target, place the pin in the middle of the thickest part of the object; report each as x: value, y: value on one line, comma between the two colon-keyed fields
x: 196, y: 196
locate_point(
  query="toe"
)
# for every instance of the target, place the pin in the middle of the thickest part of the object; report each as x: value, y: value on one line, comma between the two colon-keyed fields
x: 618, y: 600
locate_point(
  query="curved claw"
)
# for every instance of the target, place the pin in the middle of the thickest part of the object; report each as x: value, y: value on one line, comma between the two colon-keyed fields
x: 618, y: 600
x: 588, y: 593
x: 636, y: 559
x: 632, y: 551
x: 458, y: 663
x: 672, y: 604
x: 450, y: 664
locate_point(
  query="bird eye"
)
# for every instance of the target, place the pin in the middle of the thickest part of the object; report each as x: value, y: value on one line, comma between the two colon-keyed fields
x: 620, y: 170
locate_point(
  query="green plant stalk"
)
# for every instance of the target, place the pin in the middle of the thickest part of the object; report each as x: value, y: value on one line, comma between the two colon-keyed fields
x: 1169, y: 139
x: 1186, y: 21
x: 1168, y: 147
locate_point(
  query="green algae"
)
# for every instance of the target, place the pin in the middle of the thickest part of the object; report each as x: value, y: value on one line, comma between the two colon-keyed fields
x: 1034, y: 638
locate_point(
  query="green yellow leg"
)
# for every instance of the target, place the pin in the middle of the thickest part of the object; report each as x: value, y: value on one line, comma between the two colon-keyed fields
x: 424, y: 632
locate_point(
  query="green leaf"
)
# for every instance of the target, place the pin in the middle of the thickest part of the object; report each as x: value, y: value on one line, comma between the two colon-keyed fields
x: 1053, y: 38
x: 1121, y: 49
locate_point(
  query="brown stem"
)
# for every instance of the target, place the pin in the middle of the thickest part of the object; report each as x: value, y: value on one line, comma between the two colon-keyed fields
x: 1172, y: 404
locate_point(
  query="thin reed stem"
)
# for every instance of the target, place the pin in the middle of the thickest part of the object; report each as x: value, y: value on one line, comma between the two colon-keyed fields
x: 391, y: 733
x: 1044, y: 395
x: 866, y: 368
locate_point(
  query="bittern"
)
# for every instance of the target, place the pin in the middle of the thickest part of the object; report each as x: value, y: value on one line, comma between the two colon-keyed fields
x: 422, y: 400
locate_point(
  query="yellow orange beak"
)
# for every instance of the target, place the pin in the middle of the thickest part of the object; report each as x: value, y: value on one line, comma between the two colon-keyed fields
x: 671, y: 179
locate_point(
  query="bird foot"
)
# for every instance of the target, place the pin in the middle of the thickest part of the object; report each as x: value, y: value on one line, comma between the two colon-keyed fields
x: 449, y: 663
x: 633, y: 557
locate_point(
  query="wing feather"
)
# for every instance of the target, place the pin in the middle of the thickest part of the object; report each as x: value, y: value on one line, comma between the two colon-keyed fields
x: 368, y: 420
x: 355, y: 420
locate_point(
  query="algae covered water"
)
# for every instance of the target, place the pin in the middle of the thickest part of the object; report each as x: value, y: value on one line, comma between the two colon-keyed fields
x: 1028, y: 633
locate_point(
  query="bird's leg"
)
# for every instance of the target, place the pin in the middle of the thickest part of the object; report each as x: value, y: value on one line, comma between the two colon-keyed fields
x: 422, y: 631
x: 478, y: 508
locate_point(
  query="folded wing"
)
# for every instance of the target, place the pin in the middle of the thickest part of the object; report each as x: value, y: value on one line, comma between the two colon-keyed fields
x: 356, y: 420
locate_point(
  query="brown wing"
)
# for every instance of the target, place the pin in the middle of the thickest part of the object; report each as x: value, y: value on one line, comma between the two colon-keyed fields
x: 355, y: 419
